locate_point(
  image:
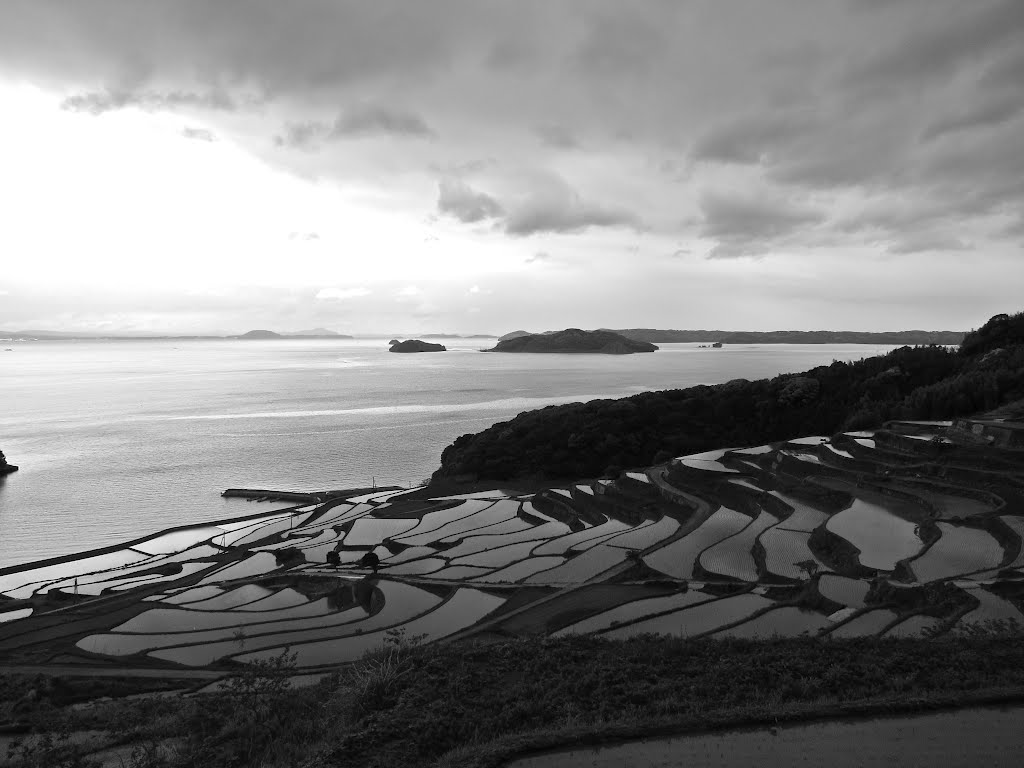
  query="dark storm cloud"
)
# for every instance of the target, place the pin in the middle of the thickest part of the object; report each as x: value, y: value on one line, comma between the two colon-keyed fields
x: 566, y: 214
x: 748, y: 226
x: 748, y: 139
x: 368, y: 120
x: 98, y: 102
x: 996, y: 111
x: 557, y: 136
x: 363, y: 121
x: 933, y: 50
x: 547, y: 205
x: 926, y: 242
x: 458, y: 199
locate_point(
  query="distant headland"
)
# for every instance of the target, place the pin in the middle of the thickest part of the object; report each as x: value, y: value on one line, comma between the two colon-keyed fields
x: 574, y: 340
x: 656, y: 336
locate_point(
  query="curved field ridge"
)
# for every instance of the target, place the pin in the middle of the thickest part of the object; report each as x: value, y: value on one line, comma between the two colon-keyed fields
x: 869, y: 623
x: 843, y: 590
x: 958, y: 551
x: 697, y: 619
x: 732, y: 557
x: 635, y: 610
x: 678, y: 558
x: 882, y: 538
x: 464, y: 608
x: 780, y: 622
x: 784, y: 548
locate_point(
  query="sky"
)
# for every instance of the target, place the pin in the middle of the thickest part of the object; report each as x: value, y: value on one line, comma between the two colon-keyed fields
x: 476, y: 166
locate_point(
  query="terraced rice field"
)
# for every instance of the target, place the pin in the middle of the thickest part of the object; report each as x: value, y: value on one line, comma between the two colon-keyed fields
x: 843, y: 590
x: 733, y: 557
x: 696, y: 620
x: 869, y: 623
x: 780, y: 622
x: 1016, y: 524
x: 678, y: 558
x: 784, y: 548
x: 882, y: 538
x: 958, y: 551
x: 492, y: 562
x: 991, y: 608
x: 915, y: 626
x: 635, y: 610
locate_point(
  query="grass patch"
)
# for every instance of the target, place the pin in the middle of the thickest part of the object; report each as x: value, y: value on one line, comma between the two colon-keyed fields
x: 412, y: 705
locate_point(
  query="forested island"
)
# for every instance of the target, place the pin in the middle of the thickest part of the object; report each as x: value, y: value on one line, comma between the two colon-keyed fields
x: 415, y: 345
x: 573, y: 340
x: 589, y: 439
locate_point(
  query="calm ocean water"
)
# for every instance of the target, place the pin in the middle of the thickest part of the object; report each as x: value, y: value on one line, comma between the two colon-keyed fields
x: 122, y: 438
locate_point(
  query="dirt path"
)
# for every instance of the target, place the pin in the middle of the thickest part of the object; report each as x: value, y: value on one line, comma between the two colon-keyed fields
x: 968, y: 738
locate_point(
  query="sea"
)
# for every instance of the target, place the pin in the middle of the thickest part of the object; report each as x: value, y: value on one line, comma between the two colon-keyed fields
x: 118, y: 439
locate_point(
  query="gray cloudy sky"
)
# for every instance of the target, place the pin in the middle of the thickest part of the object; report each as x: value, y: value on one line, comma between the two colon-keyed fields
x: 474, y: 165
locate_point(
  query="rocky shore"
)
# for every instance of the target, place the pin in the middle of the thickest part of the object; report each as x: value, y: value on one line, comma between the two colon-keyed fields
x: 6, y: 468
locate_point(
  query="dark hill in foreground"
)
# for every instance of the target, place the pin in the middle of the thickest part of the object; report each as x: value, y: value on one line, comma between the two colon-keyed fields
x: 574, y: 340
x: 586, y: 439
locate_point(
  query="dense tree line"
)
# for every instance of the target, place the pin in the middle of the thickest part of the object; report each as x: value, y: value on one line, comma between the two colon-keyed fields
x: 587, y: 439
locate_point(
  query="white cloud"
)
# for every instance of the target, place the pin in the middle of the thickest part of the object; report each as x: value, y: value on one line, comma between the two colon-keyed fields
x: 341, y: 294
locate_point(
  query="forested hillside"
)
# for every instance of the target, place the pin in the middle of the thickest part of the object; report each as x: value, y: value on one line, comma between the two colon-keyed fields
x: 586, y: 439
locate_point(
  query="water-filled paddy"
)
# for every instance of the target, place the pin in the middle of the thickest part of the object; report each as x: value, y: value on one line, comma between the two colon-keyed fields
x: 645, y: 535
x: 843, y: 590
x: 958, y: 551
x: 582, y: 567
x: 991, y: 608
x: 869, y: 623
x: 634, y: 610
x: 696, y: 619
x: 523, y: 569
x: 585, y: 539
x: 784, y: 548
x: 780, y: 622
x: 677, y: 559
x: 733, y: 557
x: 463, y: 609
x: 915, y: 626
x: 882, y: 538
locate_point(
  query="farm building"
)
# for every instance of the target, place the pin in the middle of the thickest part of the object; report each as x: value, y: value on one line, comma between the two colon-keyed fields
x: 1006, y: 434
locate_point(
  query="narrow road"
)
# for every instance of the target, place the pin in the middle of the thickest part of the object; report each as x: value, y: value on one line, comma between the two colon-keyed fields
x: 967, y: 738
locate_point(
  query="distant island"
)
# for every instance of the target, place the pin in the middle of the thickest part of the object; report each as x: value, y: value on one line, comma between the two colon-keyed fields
x: 416, y: 345
x: 656, y: 336
x: 316, y: 333
x: 32, y: 335
x: 574, y: 340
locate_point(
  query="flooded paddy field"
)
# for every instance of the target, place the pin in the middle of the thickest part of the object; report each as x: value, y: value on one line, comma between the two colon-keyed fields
x: 728, y: 543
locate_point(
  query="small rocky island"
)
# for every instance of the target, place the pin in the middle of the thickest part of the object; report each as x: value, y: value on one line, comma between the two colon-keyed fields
x: 416, y: 345
x: 574, y: 340
x: 6, y: 468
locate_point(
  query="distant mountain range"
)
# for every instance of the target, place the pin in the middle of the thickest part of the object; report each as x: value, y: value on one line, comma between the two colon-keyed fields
x: 656, y: 336
x: 313, y: 333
